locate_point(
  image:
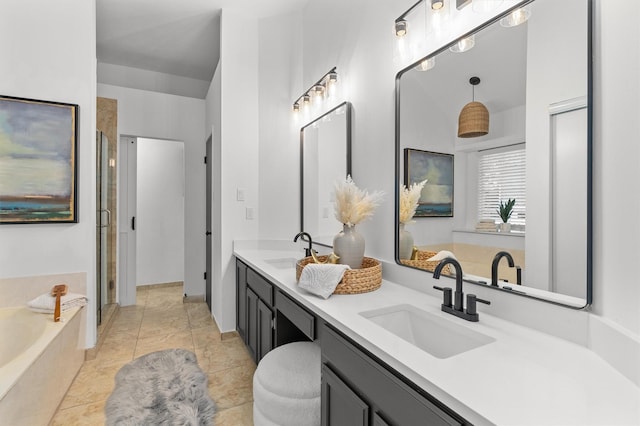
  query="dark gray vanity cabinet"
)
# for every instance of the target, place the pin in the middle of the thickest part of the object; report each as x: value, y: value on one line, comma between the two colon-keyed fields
x: 241, y: 299
x: 254, y: 311
x: 354, y: 384
x: 357, y: 388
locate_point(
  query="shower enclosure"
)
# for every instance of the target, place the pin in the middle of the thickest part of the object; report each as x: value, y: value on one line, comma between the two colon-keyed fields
x: 106, y: 229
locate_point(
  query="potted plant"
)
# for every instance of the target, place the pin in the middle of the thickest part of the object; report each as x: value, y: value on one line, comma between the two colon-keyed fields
x: 504, y: 211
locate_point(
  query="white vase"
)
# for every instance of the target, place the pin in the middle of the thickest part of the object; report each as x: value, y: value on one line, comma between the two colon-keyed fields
x: 349, y: 245
x: 405, y: 242
x: 505, y: 227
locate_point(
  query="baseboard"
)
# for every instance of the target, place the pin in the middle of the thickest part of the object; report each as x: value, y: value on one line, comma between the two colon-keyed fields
x: 616, y: 345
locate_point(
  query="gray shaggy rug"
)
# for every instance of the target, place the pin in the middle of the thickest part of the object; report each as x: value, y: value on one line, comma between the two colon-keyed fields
x: 161, y: 388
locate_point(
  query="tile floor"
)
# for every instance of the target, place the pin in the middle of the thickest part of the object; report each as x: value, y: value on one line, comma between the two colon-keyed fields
x: 159, y: 321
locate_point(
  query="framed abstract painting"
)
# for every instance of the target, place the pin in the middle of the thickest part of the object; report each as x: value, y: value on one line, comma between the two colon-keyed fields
x: 436, y: 199
x: 38, y: 168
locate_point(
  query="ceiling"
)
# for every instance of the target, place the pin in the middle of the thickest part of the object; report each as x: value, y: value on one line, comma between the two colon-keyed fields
x: 177, y: 37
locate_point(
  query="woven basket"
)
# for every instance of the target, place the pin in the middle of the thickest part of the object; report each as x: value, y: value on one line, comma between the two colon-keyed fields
x: 422, y: 263
x: 354, y: 281
x: 473, y: 120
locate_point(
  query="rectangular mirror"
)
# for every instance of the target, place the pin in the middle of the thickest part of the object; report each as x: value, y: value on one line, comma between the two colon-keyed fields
x: 535, y: 81
x: 325, y: 157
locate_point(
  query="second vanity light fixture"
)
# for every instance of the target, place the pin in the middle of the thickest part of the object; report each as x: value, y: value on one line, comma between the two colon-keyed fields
x: 401, y: 26
x: 318, y: 90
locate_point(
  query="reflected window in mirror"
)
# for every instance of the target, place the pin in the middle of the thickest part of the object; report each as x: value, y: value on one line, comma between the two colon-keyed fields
x: 532, y: 169
x: 325, y: 157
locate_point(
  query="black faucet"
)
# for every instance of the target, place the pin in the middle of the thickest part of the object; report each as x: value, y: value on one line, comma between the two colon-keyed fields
x: 494, y: 267
x: 307, y: 251
x: 470, y: 314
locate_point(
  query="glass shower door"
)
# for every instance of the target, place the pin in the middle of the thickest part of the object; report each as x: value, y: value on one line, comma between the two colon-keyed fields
x: 103, y: 222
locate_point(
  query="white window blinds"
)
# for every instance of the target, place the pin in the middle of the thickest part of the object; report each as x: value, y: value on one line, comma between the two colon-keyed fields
x: 501, y: 176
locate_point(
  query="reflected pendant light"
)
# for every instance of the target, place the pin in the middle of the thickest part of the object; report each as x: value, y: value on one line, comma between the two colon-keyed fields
x: 473, y: 120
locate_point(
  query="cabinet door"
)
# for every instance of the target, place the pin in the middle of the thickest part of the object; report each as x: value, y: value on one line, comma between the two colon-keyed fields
x: 252, y: 324
x: 340, y: 405
x: 241, y: 299
x: 265, y: 329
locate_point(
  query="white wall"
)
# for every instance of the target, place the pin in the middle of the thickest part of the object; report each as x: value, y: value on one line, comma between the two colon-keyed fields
x: 51, y: 55
x: 616, y: 292
x: 233, y: 103
x: 160, y: 214
x: 163, y: 116
x: 555, y: 61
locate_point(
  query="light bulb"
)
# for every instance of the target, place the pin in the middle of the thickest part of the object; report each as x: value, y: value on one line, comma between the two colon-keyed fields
x: 515, y: 18
x: 463, y: 44
x: 401, y: 28
x: 426, y: 64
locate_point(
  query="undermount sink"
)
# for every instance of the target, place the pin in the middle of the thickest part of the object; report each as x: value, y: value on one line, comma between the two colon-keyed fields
x: 438, y: 336
x: 282, y: 263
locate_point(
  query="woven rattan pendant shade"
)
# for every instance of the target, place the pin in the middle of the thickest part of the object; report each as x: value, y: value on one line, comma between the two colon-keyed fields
x: 473, y: 120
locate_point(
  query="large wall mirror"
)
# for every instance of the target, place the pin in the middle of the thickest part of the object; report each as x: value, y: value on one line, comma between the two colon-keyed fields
x: 325, y: 157
x: 535, y: 82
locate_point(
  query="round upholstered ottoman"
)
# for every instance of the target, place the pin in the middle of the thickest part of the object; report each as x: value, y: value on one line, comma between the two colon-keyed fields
x: 286, y: 386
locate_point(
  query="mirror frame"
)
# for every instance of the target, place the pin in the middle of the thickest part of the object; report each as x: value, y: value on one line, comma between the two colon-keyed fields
x: 589, y: 141
x: 347, y: 106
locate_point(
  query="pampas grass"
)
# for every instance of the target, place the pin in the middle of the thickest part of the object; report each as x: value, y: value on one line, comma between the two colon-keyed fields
x: 409, y: 198
x: 353, y: 205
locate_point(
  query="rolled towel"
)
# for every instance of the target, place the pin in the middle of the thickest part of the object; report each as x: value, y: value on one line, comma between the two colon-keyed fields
x: 442, y: 254
x: 45, y: 303
x: 321, y: 279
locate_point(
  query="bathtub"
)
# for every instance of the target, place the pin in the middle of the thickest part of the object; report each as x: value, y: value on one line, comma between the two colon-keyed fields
x: 38, y: 360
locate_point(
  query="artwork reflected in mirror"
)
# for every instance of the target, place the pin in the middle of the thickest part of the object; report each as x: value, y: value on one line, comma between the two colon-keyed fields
x: 325, y: 158
x: 520, y: 180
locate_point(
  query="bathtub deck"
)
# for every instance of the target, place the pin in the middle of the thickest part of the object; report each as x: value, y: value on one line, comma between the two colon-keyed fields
x: 159, y: 321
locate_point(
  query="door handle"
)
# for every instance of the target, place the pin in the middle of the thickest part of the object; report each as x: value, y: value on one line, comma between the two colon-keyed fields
x: 133, y: 223
x: 207, y: 233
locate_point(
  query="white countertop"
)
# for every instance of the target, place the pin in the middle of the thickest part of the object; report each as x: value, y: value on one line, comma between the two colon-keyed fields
x: 525, y: 377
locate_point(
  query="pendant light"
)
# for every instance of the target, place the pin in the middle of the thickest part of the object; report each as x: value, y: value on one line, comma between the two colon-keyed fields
x: 473, y: 120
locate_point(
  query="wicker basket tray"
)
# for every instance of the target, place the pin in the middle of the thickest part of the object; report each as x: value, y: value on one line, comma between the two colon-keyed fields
x: 367, y: 278
x: 422, y: 263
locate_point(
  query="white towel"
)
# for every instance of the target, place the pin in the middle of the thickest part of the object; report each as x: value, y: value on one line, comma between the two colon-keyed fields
x: 45, y: 303
x: 443, y: 254
x: 322, y: 279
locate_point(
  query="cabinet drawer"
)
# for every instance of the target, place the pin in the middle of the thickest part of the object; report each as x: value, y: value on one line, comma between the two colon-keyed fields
x: 392, y: 398
x: 262, y: 287
x: 302, y: 319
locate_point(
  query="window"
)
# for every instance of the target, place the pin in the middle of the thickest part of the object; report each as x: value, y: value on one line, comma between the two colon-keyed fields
x: 501, y: 175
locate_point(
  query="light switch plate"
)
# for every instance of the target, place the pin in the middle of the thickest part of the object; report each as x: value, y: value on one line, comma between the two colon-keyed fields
x: 249, y: 213
x: 240, y: 194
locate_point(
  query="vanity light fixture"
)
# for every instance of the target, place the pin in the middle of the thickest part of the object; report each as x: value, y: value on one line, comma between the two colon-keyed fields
x: 464, y: 44
x: 473, y: 120
x: 317, y: 90
x: 426, y: 64
x: 517, y: 17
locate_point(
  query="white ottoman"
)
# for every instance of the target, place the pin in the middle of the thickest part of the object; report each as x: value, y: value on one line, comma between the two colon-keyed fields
x: 286, y: 386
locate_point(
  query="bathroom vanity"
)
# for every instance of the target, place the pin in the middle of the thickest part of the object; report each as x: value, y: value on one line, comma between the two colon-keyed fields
x: 356, y: 386
x: 372, y: 374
